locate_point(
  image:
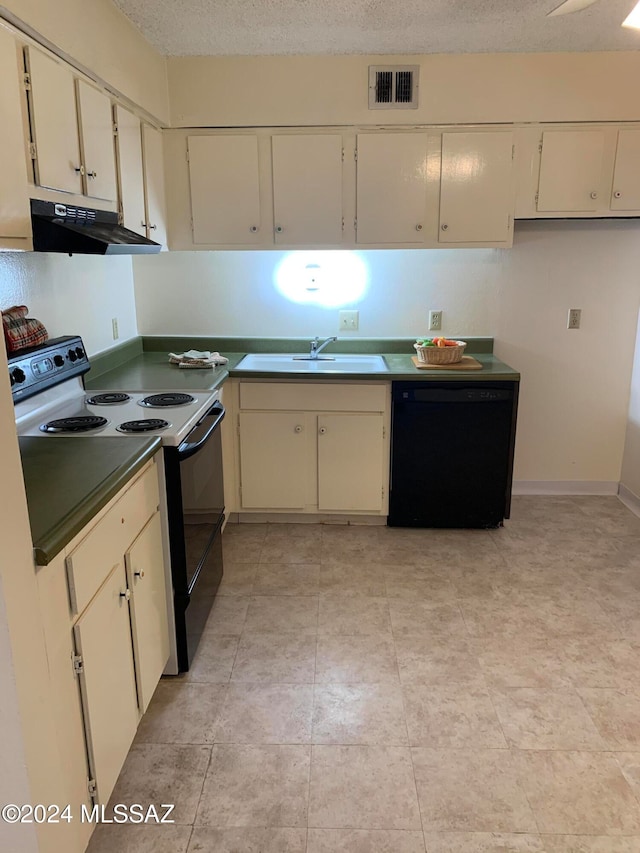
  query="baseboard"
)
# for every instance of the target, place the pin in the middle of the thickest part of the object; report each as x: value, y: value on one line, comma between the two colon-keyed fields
x: 629, y: 499
x: 303, y: 518
x: 565, y: 487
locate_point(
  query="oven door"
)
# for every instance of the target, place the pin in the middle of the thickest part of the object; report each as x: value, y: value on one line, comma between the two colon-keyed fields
x: 195, y: 500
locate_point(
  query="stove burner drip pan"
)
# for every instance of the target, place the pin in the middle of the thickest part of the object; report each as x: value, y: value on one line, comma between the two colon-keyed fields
x: 143, y: 425
x: 78, y: 424
x: 159, y: 401
x: 108, y: 399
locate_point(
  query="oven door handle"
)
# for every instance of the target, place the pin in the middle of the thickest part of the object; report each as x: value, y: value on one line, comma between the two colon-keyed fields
x: 187, y: 449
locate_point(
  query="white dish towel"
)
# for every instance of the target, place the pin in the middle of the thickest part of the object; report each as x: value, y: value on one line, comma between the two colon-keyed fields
x: 197, y: 358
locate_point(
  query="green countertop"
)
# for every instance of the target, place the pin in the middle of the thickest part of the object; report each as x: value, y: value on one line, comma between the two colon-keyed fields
x: 69, y: 479
x: 149, y: 369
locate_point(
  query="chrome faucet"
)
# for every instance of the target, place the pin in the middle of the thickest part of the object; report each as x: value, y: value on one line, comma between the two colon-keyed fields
x: 315, y: 349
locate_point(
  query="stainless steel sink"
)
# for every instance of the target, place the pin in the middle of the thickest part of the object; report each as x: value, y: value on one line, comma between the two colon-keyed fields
x: 266, y: 362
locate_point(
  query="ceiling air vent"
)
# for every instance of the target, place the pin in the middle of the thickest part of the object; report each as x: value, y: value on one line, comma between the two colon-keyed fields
x: 393, y: 87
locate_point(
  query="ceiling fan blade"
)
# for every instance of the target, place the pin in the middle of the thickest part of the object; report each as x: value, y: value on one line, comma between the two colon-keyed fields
x: 570, y: 6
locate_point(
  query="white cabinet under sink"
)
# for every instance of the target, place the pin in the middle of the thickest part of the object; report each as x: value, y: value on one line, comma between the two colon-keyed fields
x: 313, y: 447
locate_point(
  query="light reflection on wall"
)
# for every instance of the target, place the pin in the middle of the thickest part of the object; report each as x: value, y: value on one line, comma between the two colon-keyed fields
x: 329, y: 279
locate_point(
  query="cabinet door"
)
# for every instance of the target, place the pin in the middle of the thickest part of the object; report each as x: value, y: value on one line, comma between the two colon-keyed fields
x: 476, y: 189
x: 273, y: 454
x: 350, y: 462
x: 154, y: 185
x: 55, y: 123
x: 98, y: 149
x: 571, y: 170
x: 108, y: 684
x: 626, y: 176
x: 130, y: 168
x: 307, y: 188
x: 225, y: 189
x: 146, y: 580
x: 15, y: 221
x: 391, y: 188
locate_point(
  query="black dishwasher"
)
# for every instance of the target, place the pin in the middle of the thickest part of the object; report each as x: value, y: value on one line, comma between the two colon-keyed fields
x: 452, y: 449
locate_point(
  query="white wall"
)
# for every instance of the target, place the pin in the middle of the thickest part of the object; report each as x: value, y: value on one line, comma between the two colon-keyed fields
x: 76, y: 295
x: 24, y: 731
x: 575, y: 384
x: 631, y: 462
x: 237, y: 91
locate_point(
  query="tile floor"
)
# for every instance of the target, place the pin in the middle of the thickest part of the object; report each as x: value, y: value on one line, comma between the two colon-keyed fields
x: 377, y: 690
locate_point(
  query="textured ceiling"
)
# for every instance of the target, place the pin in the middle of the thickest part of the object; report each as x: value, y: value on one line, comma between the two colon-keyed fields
x: 286, y: 27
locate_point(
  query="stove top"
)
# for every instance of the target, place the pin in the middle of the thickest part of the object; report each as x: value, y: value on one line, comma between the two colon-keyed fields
x: 50, y: 400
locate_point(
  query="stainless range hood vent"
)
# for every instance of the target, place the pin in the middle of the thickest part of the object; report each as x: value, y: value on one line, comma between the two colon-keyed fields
x: 393, y: 87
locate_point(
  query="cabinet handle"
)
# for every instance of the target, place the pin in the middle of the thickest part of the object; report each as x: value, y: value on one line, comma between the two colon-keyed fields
x: 126, y: 594
x: 617, y: 194
x: 594, y: 195
x: 418, y: 227
x: 79, y: 169
x: 92, y: 174
x: 254, y: 229
x: 322, y: 430
x: 444, y: 227
x: 297, y: 428
x: 138, y: 574
x: 279, y: 229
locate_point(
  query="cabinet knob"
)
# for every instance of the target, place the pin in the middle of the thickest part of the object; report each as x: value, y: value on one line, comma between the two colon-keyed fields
x: 143, y: 224
x: 79, y: 169
x: 153, y: 227
x: 139, y: 574
x: 92, y: 174
x: 254, y: 229
x: 617, y: 194
x: 322, y: 430
x: 298, y: 428
x: 126, y: 594
x: 594, y: 195
x: 279, y: 229
x: 418, y: 227
x: 444, y: 227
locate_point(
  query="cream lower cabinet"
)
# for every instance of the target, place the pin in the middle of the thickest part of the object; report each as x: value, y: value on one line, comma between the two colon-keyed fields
x: 104, y: 610
x: 319, y: 448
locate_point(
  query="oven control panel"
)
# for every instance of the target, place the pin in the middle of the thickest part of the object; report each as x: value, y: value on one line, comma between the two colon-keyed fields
x: 32, y: 370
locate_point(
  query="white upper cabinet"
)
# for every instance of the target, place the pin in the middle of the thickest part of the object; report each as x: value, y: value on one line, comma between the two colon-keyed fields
x: 476, y: 188
x: 155, y: 212
x: 571, y: 170
x: 225, y: 189
x: 307, y: 189
x: 54, y: 123
x: 15, y: 221
x: 130, y: 171
x: 97, y: 143
x: 391, y: 188
x: 625, y: 194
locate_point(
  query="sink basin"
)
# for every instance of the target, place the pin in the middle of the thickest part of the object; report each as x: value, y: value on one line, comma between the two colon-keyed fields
x: 299, y: 363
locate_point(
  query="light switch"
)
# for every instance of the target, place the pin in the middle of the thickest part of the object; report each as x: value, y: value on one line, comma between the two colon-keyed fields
x: 348, y: 321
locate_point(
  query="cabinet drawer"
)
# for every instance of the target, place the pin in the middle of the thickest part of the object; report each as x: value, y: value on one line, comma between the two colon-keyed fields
x: 313, y: 397
x: 104, y: 546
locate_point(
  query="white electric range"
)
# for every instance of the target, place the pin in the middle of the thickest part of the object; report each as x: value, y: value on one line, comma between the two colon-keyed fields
x: 50, y: 401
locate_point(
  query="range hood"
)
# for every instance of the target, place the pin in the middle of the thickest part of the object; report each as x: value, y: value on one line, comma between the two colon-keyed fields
x: 83, y: 231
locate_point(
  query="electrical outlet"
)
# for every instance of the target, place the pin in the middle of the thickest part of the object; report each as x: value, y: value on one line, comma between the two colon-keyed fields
x: 348, y: 321
x: 435, y: 321
x: 573, y: 321
x: 114, y: 328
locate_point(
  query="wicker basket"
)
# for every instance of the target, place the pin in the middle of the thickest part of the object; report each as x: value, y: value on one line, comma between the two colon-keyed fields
x: 440, y: 355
